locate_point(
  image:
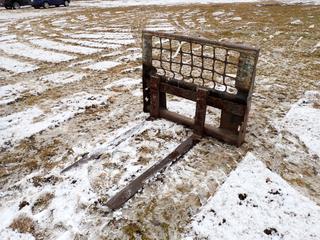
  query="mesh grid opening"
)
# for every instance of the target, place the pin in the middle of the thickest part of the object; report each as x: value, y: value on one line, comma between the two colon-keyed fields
x: 208, y: 66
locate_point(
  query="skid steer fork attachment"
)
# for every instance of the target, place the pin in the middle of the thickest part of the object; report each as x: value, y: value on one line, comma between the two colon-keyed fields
x: 211, y: 73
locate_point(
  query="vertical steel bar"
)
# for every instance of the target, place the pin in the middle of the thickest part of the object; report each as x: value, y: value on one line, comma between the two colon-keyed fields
x: 201, y: 109
x: 224, y: 69
x: 213, y: 66
x: 202, y: 65
x: 146, y: 68
x: 181, y: 59
x: 155, y: 96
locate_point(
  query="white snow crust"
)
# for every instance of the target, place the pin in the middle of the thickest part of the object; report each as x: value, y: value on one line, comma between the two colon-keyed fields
x: 9, y: 93
x: 255, y: 203
x: 8, y: 37
x: 103, y: 35
x: 91, y: 44
x: 102, y: 66
x: 16, y: 66
x: 9, y: 234
x: 303, y: 120
x: 49, y: 44
x: 65, y: 209
x: 63, y: 77
x: 24, y: 50
x: 20, y: 125
x: 123, y: 3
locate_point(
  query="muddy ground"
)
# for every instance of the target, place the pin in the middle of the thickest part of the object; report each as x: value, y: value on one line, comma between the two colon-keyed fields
x: 288, y: 66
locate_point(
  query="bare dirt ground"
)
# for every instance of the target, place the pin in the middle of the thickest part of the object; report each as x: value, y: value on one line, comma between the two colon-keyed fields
x: 31, y: 164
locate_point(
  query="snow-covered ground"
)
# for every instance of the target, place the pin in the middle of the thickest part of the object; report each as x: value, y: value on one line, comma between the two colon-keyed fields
x: 102, y: 66
x: 62, y: 77
x: 72, y: 130
x: 25, y: 14
x: 303, y: 120
x: 34, y: 53
x: 11, y: 92
x: 124, y: 3
x: 255, y: 203
x: 15, y: 66
x: 26, y: 123
x: 35, y: 86
x: 63, y: 47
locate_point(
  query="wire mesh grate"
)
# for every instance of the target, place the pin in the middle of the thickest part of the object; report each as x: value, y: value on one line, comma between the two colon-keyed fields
x: 201, y: 64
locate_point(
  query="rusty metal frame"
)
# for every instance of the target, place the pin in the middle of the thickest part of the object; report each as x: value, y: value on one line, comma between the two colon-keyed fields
x: 158, y: 80
x: 166, y: 71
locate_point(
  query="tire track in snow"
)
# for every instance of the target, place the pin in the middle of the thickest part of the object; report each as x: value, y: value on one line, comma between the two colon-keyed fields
x: 26, y: 123
x: 24, y: 50
x: 11, y: 92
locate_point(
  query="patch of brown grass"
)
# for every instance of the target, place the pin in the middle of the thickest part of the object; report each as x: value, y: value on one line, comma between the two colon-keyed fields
x: 42, y: 202
x: 38, y: 181
x: 31, y: 165
x: 23, y: 224
x: 316, y: 105
x: 134, y: 231
x: 144, y: 160
x: 3, y: 172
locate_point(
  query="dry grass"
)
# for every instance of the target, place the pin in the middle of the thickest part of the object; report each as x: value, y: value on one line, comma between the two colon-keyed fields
x: 286, y: 70
x: 42, y: 202
x: 24, y: 224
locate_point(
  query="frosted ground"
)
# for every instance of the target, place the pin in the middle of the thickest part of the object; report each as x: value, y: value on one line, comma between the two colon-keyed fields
x: 70, y: 87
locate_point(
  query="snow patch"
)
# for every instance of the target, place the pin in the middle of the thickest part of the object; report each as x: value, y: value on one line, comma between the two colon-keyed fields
x: 64, y: 47
x: 160, y: 27
x: 104, y: 35
x: 20, y: 125
x: 296, y: 22
x: 21, y: 14
x: 63, y: 77
x: 102, y: 66
x: 303, y: 120
x: 236, y: 19
x: 9, y: 234
x: 9, y: 93
x: 301, y: 1
x: 255, y: 203
x: 218, y: 13
x: 124, y: 3
x: 182, y: 106
x: 123, y: 82
x: 118, y: 41
x: 64, y: 214
x: 91, y: 44
x: 8, y: 38
x: 24, y: 50
x: 15, y: 66
x: 316, y: 47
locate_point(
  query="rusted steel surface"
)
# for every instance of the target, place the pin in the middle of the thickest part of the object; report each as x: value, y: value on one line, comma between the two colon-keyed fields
x: 219, y: 133
x: 185, y: 64
x: 201, y: 109
x: 155, y: 97
x: 125, y: 194
x: 204, y: 41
